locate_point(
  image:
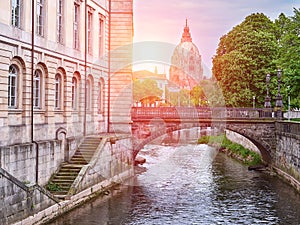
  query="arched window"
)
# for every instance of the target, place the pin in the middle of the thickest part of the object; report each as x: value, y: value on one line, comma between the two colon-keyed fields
x: 12, y: 86
x: 100, y: 97
x: 37, y: 89
x: 74, y: 93
x: 88, y: 95
x: 58, y: 91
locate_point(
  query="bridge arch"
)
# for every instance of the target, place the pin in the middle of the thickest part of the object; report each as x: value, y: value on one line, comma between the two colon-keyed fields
x: 263, y: 147
x: 257, y: 125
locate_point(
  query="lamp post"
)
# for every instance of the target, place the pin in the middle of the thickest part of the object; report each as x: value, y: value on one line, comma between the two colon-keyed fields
x: 267, y: 99
x: 289, y: 103
x: 278, y: 103
x: 253, y: 102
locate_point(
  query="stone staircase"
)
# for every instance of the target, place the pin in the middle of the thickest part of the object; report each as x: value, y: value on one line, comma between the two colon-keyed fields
x: 60, y: 183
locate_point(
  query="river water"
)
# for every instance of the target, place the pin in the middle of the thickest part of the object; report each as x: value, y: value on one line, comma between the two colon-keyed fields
x: 192, y: 184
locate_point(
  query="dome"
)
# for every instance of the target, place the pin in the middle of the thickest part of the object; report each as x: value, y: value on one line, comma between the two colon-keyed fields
x: 186, y: 64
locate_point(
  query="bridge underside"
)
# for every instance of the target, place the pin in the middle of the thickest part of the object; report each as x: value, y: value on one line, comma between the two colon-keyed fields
x: 260, y: 133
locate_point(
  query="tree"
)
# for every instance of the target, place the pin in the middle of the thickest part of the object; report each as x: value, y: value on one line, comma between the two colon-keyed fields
x: 288, y: 36
x: 243, y: 58
x: 145, y: 88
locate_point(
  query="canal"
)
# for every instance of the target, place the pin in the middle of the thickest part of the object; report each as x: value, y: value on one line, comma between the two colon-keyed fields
x: 192, y: 184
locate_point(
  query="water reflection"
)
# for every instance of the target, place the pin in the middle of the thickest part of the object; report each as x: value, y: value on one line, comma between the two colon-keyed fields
x: 192, y: 184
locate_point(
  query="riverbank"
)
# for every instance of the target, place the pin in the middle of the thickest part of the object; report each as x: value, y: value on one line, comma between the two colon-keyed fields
x: 233, y: 150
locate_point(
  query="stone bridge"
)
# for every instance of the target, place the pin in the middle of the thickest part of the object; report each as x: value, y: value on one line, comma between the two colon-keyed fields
x: 257, y: 125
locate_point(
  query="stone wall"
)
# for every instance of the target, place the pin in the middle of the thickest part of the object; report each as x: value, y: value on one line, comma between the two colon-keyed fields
x: 20, y: 160
x: 239, y: 139
x: 19, y: 200
x: 19, y: 195
x: 287, y: 155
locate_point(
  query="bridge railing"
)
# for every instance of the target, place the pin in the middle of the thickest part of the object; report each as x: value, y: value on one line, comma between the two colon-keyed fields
x: 199, y: 113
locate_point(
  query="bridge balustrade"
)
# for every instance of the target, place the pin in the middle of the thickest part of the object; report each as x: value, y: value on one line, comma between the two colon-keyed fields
x: 199, y: 113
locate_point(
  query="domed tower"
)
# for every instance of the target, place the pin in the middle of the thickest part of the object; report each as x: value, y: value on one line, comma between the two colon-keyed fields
x: 186, y: 65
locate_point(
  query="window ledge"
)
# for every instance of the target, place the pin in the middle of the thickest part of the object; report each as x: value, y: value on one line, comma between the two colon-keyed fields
x: 58, y: 111
x: 39, y: 111
x: 14, y: 111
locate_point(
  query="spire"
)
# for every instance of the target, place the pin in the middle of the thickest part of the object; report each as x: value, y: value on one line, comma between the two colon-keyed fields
x: 186, y: 36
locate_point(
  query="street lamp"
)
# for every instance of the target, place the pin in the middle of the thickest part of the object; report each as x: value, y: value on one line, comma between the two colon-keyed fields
x: 289, y: 103
x: 253, y: 102
x: 278, y: 103
x: 267, y: 99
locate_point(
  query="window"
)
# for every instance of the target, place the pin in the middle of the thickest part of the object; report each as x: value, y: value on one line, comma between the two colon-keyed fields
x: 60, y: 20
x: 12, y: 87
x: 101, y: 36
x: 15, y: 13
x: 37, y: 89
x: 58, y: 89
x: 89, y: 92
x: 89, y: 32
x: 74, y: 93
x: 40, y: 17
x: 100, y: 97
x: 76, y: 26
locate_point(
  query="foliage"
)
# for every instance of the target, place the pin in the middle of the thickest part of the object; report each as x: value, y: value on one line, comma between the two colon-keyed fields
x: 145, y: 88
x: 243, y: 58
x: 198, y: 97
x: 203, y: 140
x: 206, y: 93
x: 249, y: 157
x: 288, y: 35
x: 53, y: 187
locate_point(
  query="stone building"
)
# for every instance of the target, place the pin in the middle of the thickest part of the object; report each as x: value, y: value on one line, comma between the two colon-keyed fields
x: 186, y: 68
x: 58, y: 77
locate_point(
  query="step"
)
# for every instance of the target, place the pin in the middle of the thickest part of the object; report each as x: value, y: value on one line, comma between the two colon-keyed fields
x: 71, y: 166
x: 88, y: 147
x: 67, y: 173
x: 78, y: 160
x: 84, y: 153
x: 63, y: 183
x: 82, y: 157
x: 79, y: 163
x: 64, y: 180
x: 61, y: 197
x: 59, y: 192
x: 64, y: 177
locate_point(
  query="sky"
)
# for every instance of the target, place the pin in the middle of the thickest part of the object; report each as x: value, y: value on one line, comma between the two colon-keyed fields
x: 208, y: 20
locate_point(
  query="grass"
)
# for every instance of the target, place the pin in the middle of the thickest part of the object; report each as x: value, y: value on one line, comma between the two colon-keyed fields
x: 232, y: 149
x: 295, y: 119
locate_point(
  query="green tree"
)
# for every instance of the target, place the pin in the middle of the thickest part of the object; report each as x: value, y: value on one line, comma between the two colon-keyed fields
x: 198, y: 97
x: 243, y: 58
x: 288, y: 36
x: 145, y: 88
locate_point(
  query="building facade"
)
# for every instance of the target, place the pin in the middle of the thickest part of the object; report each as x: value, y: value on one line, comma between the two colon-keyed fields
x: 186, y: 68
x: 57, y: 85
x: 63, y: 77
